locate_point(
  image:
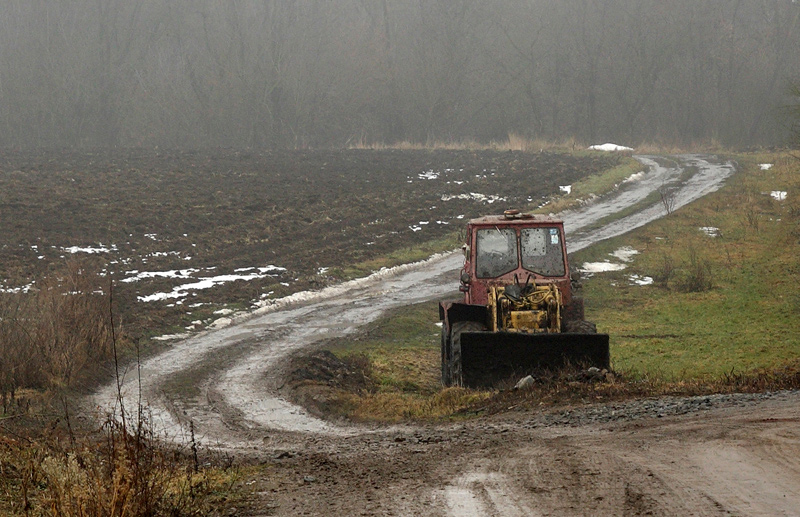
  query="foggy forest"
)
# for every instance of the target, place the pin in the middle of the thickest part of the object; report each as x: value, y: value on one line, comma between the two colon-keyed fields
x: 332, y: 73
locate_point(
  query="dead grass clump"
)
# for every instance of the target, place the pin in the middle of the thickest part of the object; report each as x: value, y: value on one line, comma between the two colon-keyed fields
x: 783, y: 378
x: 120, y: 472
x: 664, y: 271
x: 47, y: 338
x: 48, y: 335
x: 403, y: 406
x: 517, y: 142
x: 408, y: 145
x: 514, y: 142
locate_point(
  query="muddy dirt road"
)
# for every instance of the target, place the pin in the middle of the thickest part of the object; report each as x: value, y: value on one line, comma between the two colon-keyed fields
x: 225, y: 381
x: 723, y: 456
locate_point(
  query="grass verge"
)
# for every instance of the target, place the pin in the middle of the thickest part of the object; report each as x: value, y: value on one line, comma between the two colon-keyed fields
x: 407, y: 255
x: 724, y: 269
x: 397, y: 361
x: 50, y: 468
x: 593, y: 187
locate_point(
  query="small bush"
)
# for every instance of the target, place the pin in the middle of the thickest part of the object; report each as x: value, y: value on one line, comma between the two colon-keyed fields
x: 698, y: 277
x: 668, y: 194
x: 665, y: 272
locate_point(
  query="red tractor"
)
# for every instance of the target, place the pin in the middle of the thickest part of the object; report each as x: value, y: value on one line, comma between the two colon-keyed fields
x: 520, y: 313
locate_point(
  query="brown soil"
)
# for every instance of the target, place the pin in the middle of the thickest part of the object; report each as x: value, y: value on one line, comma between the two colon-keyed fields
x: 730, y: 454
x: 731, y: 457
x: 224, y: 209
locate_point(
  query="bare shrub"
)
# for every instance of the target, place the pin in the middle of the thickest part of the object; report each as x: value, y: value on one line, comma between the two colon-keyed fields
x: 49, y: 335
x: 18, y: 367
x: 123, y: 471
x: 752, y: 216
x: 698, y: 276
x: 665, y: 272
x: 668, y: 194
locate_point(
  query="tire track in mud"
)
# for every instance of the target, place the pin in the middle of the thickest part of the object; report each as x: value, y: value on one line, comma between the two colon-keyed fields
x: 234, y: 371
x: 722, y: 463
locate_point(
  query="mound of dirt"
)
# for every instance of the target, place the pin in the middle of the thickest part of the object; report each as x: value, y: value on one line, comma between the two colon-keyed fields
x: 325, y: 384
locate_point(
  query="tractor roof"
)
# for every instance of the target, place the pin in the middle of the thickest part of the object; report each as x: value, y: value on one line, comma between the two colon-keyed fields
x: 519, y: 219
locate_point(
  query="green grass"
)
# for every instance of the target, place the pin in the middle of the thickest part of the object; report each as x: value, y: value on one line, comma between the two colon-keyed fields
x: 746, y: 320
x: 400, y: 349
x: 403, y: 352
x: 406, y: 255
x: 595, y: 185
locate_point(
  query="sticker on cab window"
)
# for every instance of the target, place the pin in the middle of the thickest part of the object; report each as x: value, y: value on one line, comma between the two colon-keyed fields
x: 553, y: 236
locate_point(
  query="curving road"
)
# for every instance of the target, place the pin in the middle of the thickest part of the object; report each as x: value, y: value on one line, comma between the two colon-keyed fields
x: 718, y: 455
x: 225, y: 380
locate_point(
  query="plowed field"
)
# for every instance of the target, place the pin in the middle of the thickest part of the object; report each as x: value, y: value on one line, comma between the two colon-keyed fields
x: 189, y: 233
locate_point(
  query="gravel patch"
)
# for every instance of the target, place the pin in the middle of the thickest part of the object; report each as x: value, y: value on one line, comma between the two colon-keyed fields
x: 651, y: 408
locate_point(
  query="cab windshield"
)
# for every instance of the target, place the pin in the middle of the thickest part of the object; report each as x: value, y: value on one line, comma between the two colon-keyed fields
x: 542, y: 252
x: 498, y: 251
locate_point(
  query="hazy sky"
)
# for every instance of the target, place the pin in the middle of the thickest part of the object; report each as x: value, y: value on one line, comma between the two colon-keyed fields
x: 317, y: 73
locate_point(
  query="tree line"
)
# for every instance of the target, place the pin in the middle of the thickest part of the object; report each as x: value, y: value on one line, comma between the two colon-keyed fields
x: 322, y: 73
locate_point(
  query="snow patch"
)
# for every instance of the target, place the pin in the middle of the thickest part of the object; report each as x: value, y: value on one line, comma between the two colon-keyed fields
x: 220, y: 323
x: 636, y: 176
x: 16, y: 290
x: 182, y: 291
x: 174, y: 273
x: 566, y: 189
x: 609, y: 147
x: 474, y: 196
x: 90, y: 250
x: 591, y: 268
x: 778, y: 195
x: 624, y: 254
x: 170, y: 337
x: 711, y: 231
x: 641, y: 280
x: 765, y: 166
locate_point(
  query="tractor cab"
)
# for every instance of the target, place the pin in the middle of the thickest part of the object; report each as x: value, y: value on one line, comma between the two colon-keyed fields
x: 514, y: 249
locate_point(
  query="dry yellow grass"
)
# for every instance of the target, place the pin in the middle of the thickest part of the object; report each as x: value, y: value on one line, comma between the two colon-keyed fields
x: 514, y: 142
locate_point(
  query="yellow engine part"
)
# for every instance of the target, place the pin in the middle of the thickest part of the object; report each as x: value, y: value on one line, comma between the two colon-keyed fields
x: 537, y: 309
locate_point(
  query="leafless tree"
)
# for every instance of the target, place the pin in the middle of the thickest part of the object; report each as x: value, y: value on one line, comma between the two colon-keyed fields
x: 296, y: 73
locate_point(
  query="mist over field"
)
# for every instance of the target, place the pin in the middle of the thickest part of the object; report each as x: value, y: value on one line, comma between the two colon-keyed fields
x: 309, y: 73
